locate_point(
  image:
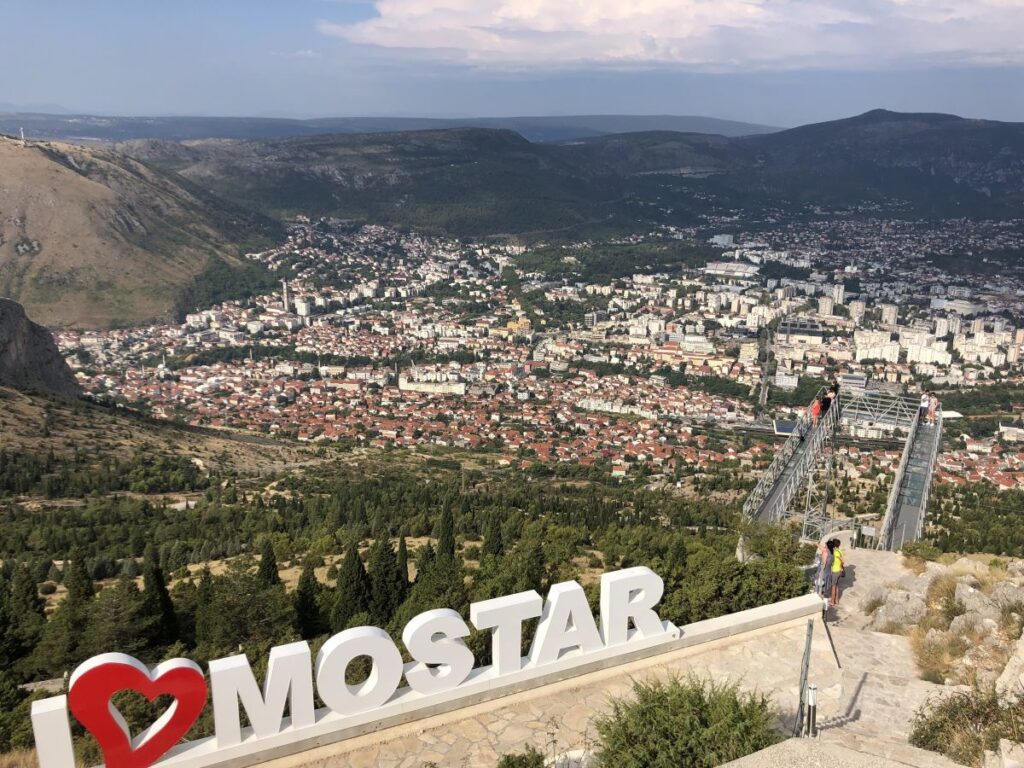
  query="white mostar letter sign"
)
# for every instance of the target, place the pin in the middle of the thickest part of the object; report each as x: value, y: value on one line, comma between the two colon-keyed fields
x: 440, y: 676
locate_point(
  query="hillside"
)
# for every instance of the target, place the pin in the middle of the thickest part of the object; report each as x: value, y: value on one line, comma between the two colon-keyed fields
x: 90, y: 237
x: 468, y: 181
x: 39, y: 425
x: 482, y: 181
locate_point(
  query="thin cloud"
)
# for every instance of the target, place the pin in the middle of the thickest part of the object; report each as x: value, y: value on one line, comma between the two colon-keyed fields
x: 723, y: 35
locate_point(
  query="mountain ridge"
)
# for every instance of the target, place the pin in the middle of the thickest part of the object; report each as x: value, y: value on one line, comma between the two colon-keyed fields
x: 917, y: 164
x: 71, y: 127
x: 91, y: 237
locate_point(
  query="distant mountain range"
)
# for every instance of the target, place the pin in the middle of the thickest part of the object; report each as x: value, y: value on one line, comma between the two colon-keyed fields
x: 483, y: 181
x: 104, y: 235
x: 67, y: 127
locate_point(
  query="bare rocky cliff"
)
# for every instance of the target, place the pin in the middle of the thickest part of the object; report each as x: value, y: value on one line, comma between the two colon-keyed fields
x: 29, y: 358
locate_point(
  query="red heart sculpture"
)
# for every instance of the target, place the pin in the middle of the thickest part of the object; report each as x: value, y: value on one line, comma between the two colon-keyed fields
x: 94, y: 683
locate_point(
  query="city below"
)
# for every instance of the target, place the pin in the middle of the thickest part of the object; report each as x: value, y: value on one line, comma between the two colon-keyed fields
x: 387, y: 339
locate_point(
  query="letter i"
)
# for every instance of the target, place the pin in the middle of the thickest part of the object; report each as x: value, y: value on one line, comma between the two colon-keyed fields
x: 52, y: 729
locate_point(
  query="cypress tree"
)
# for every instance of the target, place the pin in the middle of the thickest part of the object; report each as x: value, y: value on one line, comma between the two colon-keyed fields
x: 353, y: 590
x: 78, y: 581
x: 267, y: 571
x: 403, y: 566
x: 533, y: 566
x: 675, y: 558
x: 9, y: 649
x: 308, y: 621
x: 387, y: 587
x: 25, y: 614
x: 425, y: 561
x: 158, y: 601
x: 204, y: 604
x: 446, y: 534
x: 493, y: 544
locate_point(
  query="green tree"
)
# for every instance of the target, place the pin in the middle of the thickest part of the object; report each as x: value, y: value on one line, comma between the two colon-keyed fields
x: 309, y: 621
x: 15, y: 724
x: 403, y: 565
x: 157, y: 600
x: 441, y: 585
x: 241, y: 610
x: 22, y: 616
x: 267, y: 571
x: 446, y: 533
x: 493, y: 544
x: 78, y: 581
x: 120, y: 620
x: 353, y: 593
x: 387, y: 586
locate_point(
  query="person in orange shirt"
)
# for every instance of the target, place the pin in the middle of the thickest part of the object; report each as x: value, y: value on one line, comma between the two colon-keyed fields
x: 815, y: 412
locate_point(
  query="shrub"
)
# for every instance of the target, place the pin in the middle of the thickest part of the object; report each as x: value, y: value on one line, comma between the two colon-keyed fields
x: 922, y: 550
x: 688, y: 722
x: 531, y: 758
x: 936, y: 658
x: 872, y: 604
x: 941, y: 598
x: 963, y: 725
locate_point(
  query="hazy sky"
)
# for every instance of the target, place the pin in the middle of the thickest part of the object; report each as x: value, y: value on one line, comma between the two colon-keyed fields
x: 779, y: 62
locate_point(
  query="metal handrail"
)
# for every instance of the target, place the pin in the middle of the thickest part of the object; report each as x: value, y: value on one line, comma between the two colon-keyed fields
x: 931, y: 472
x: 888, y: 521
x: 801, y: 433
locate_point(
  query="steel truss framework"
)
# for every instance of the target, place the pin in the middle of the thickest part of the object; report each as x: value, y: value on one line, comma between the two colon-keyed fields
x: 796, y: 485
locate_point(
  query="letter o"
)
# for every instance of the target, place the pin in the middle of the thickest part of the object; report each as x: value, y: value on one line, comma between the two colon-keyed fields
x: 339, y: 651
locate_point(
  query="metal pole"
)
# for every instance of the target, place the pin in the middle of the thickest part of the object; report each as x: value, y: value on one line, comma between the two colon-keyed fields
x: 812, y: 711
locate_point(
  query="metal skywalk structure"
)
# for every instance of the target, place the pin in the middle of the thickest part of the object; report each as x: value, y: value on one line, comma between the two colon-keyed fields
x: 796, y: 484
x: 908, y: 499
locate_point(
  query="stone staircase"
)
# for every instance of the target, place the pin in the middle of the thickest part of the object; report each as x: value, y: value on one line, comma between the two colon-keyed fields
x: 881, y: 692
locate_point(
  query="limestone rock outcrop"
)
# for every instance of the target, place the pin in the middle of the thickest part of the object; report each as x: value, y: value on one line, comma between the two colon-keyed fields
x: 29, y: 358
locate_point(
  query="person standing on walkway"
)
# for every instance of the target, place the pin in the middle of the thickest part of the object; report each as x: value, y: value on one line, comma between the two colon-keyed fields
x: 838, y: 571
x: 824, y: 569
x: 926, y: 400
x: 815, y: 412
x: 933, y: 405
x: 826, y: 584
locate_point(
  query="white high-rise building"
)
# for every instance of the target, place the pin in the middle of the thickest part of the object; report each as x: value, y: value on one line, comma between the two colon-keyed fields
x: 839, y: 293
x: 890, y: 314
x: 857, y: 310
x: 825, y: 305
x: 941, y: 327
x: 285, y: 300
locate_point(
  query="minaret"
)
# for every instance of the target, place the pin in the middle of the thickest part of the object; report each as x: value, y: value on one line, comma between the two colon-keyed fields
x: 284, y: 293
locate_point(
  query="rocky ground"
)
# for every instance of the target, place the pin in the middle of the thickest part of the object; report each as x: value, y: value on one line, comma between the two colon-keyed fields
x: 963, y: 618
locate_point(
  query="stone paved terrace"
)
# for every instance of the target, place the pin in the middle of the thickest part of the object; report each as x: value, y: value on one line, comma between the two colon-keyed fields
x: 767, y: 660
x: 864, y: 708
